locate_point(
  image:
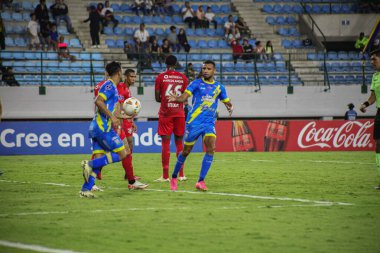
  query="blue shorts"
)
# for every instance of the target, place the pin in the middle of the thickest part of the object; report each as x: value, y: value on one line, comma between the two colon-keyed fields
x: 192, y: 133
x: 107, y: 142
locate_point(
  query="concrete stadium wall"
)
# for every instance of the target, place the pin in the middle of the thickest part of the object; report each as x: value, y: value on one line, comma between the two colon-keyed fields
x: 272, y: 101
x: 334, y: 29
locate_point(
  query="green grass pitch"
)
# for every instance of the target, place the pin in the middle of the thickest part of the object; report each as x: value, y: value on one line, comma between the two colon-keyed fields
x: 257, y: 202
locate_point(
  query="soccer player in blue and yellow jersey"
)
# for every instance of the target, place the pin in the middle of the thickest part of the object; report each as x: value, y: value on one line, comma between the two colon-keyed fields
x: 206, y: 93
x: 102, y: 133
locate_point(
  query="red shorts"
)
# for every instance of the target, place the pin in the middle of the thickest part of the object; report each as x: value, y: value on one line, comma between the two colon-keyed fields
x: 167, y: 126
x: 126, y: 130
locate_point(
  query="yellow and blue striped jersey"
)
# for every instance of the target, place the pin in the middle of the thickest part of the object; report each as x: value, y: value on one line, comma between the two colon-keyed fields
x: 205, y: 101
x: 101, y: 122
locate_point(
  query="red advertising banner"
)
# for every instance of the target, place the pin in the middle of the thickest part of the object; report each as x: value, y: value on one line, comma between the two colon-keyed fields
x: 294, y: 135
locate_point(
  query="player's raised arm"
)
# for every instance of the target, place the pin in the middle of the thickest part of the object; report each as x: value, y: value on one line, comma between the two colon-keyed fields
x: 180, y: 99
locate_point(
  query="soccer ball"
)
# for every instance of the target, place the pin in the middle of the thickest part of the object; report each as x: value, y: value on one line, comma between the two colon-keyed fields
x: 131, y: 106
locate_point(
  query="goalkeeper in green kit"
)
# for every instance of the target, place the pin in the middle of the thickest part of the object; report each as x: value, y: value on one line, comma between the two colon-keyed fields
x: 375, y: 98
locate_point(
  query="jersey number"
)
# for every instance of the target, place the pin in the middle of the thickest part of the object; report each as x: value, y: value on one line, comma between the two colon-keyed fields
x: 176, y: 89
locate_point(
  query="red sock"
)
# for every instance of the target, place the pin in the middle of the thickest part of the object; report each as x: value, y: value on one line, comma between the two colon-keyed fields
x: 128, y: 168
x: 165, y: 156
x: 179, y: 148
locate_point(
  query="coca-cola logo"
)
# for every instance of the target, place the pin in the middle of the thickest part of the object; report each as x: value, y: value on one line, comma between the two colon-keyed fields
x: 345, y: 136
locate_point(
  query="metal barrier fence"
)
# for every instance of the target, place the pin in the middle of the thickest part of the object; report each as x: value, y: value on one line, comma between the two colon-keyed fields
x: 46, y: 68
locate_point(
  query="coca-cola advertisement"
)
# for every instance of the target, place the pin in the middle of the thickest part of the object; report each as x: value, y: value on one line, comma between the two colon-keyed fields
x: 294, y: 135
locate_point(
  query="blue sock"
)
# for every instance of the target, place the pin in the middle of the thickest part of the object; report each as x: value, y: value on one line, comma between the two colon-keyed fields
x: 180, y: 161
x: 88, y: 186
x: 206, y: 164
x: 104, y: 160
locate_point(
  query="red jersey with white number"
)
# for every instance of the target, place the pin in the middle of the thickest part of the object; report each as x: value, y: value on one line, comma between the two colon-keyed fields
x: 171, y: 82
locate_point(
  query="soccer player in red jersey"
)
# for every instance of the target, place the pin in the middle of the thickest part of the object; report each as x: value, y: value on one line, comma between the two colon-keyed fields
x: 128, y: 128
x: 171, y: 115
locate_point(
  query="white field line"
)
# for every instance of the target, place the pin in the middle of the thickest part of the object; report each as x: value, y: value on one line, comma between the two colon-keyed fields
x: 261, y: 197
x: 217, y: 193
x: 311, y: 161
x: 279, y: 206
x: 117, y: 210
x: 33, y: 247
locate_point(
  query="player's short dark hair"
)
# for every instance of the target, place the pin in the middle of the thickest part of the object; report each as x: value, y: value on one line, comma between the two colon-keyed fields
x: 209, y: 62
x: 171, y: 60
x: 127, y: 72
x: 351, y: 106
x: 113, y: 67
x: 376, y: 52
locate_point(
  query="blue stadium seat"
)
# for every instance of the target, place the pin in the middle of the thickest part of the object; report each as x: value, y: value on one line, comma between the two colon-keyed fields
x: 26, y: 5
x: 30, y: 55
x: 124, y: 7
x: 356, y: 66
x: 126, y: 19
x: 311, y: 56
x: 6, y: 16
x: 75, y: 43
x: 222, y: 44
x: 177, y: 20
x: 119, y: 43
x: 157, y: 20
x: 119, y: 31
x: 332, y: 55
x: 297, y: 43
x: 199, y: 32
x: 160, y: 32
x: 212, y: 44
x: 226, y: 9
x: 220, y: 31
x: 277, y: 8
x: 110, y: 43
x: 115, y: 7
x: 17, y: 16
x: 297, y: 9
x: 287, y: 9
x: 85, y: 56
x: 335, y: 8
x: 193, y: 43
x: 108, y: 30
x: 286, y: 43
x: 227, y: 57
x: 20, y: 42
x: 270, y: 20
x: 291, y: 20
x: 129, y: 31
x: 268, y: 8
x: 148, y: 20
x: 293, y: 31
x: 342, y: 55
x: 168, y: 20
x: 283, y: 31
x: 280, y: 20
x: 136, y: 20
x: 76, y: 66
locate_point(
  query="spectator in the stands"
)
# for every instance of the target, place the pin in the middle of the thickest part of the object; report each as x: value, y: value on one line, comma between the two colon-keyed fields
x: 9, y: 78
x: 107, y: 15
x: 210, y: 18
x: 41, y: 11
x: 165, y: 49
x: 188, y: 14
x: 99, y: 9
x: 361, y: 42
x: 139, y: 5
x: 60, y: 12
x: 269, y: 50
x: 173, y: 39
x: 237, y: 50
x: 2, y: 34
x: 95, y: 19
x: 190, y: 72
x: 182, y: 39
x: 260, y: 51
x: 243, y: 28
x: 45, y: 35
x: 149, y: 6
x: 158, y: 8
x: 143, y: 35
x: 229, y: 26
x: 168, y: 7
x: 53, y: 37
x: 63, y: 50
x: 129, y: 50
x: 200, y: 19
x: 33, y: 31
x: 233, y: 36
x: 155, y: 51
x: 351, y: 114
x: 248, y: 50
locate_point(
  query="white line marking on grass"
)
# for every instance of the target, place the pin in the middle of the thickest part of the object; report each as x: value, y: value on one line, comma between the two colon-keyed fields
x: 261, y: 197
x: 313, y: 205
x: 33, y: 247
x: 220, y: 194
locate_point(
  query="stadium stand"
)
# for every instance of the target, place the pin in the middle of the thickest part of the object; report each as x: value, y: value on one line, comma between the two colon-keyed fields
x: 269, y: 20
